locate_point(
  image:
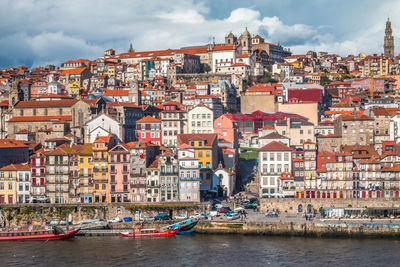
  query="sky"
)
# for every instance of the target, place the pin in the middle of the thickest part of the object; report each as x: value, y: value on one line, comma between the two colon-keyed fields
x: 39, y: 32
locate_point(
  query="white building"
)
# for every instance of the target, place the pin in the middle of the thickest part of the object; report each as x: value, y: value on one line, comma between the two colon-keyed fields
x: 271, y: 137
x: 54, y: 87
x: 274, y: 159
x: 227, y: 180
x: 200, y: 119
x: 213, y: 102
x: 23, y: 183
x: 103, y: 125
x: 395, y: 128
x: 189, y: 175
x: 224, y: 55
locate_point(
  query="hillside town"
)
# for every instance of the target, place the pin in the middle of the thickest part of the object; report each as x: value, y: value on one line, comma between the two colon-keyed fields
x: 194, y: 123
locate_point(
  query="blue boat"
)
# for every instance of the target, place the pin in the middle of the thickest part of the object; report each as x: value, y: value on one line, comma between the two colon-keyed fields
x: 180, y: 232
x: 183, y: 226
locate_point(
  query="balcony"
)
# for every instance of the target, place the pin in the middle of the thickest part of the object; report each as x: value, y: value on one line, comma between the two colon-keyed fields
x: 100, y: 180
x: 137, y: 174
x: 136, y: 185
x: 100, y: 169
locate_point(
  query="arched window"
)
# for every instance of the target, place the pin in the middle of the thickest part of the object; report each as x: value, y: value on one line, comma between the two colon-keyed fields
x: 300, y: 208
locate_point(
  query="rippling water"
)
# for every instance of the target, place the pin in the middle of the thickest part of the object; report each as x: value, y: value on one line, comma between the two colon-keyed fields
x: 201, y: 250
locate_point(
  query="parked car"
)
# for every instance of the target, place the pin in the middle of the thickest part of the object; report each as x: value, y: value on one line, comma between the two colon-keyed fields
x: 148, y: 218
x: 229, y: 213
x: 162, y: 216
x: 253, y: 200
x: 213, y: 213
x: 115, y: 220
x: 218, y: 206
x: 180, y: 217
x: 244, y: 202
x: 194, y: 216
x: 250, y: 206
x: 198, y: 215
x: 216, y: 201
x: 223, y: 210
x: 233, y: 216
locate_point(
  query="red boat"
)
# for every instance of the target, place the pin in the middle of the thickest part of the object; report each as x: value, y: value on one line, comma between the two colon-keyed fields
x: 36, y: 234
x: 149, y: 232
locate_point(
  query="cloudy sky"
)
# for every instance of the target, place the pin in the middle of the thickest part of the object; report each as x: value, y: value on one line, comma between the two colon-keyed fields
x: 43, y: 32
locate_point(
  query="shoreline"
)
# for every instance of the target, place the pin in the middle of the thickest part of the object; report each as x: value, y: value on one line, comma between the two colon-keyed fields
x: 316, y: 229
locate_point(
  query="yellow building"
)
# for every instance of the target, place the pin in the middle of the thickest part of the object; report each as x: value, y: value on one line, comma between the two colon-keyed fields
x: 85, y: 167
x: 111, y: 70
x: 205, y: 149
x: 74, y: 89
x: 8, y: 188
x: 100, y: 167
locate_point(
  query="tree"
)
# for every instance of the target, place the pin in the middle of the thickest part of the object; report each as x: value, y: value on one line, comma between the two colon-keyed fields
x: 325, y: 80
x: 207, y: 68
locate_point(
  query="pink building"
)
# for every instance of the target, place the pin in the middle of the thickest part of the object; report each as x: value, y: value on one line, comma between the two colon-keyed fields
x: 119, y: 173
x: 38, y: 171
x: 380, y: 84
x: 226, y: 128
x: 148, y: 129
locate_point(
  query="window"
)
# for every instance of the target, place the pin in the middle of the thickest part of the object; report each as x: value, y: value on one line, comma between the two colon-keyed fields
x: 10, y: 186
x: 271, y: 180
x: 286, y: 156
x: 272, y: 156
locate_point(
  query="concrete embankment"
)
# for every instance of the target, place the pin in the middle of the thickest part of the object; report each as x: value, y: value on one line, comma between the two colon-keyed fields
x: 309, y: 229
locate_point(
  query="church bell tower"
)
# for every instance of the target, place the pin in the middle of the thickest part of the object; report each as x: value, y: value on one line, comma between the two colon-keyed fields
x: 388, y: 44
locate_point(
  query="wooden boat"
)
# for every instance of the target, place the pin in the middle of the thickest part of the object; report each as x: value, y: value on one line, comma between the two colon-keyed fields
x: 35, y: 234
x: 149, y: 232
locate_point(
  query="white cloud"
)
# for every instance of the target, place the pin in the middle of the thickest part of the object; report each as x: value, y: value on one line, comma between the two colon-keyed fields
x: 39, y: 32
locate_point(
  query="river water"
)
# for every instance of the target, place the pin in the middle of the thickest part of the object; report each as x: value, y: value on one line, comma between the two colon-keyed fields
x: 202, y: 250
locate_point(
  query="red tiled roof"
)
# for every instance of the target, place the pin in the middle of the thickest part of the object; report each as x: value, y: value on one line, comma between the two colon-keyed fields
x: 47, y: 103
x: 311, y: 94
x: 275, y: 146
x: 103, y: 139
x: 16, y: 167
x: 223, y: 47
x: 72, y: 71
x: 41, y: 118
x: 361, y: 117
x: 53, y: 96
x: 261, y: 87
x: 109, y: 92
x: 188, y: 158
x: 208, y: 137
x: 148, y: 119
x: 76, y: 61
x: 9, y: 143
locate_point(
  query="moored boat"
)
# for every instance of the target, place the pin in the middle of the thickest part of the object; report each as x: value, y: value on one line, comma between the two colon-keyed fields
x: 29, y: 233
x: 149, y: 232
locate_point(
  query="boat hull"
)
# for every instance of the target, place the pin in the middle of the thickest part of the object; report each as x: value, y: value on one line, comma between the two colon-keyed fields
x: 159, y: 234
x: 180, y: 232
x: 41, y: 237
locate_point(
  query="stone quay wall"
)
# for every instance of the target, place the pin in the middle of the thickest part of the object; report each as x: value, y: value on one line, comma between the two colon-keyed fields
x: 23, y: 214
x: 304, y: 229
x: 292, y: 205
